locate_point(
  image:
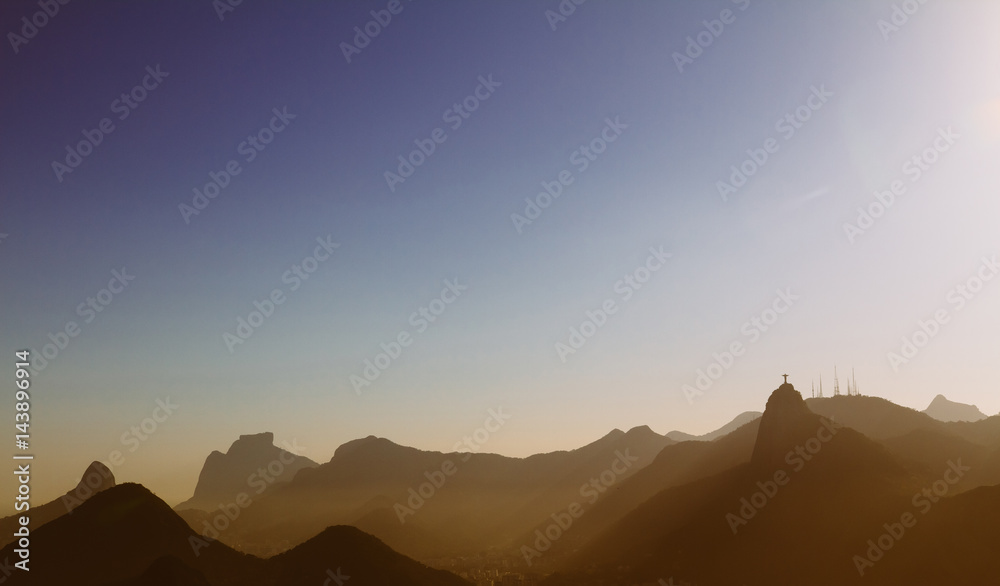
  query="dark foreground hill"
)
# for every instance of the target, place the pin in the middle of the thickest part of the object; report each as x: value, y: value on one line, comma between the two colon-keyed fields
x: 127, y: 536
x: 346, y: 551
x: 96, y: 477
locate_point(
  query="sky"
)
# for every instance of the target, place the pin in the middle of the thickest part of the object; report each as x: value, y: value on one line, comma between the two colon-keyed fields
x: 532, y: 207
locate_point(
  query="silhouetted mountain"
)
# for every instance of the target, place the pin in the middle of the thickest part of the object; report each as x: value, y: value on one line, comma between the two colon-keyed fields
x: 431, y: 505
x: 117, y: 535
x: 740, y: 420
x: 789, y: 497
x: 786, y: 420
x: 675, y: 465
x: 875, y: 417
x: 96, y: 477
x: 252, y: 465
x: 352, y: 554
x: 881, y: 419
x: 811, y: 496
x: 460, y: 502
x: 944, y: 410
x: 921, y: 442
x: 985, y: 432
x: 126, y: 536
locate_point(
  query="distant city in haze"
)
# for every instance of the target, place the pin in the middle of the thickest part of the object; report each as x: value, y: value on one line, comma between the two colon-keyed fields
x: 412, y: 233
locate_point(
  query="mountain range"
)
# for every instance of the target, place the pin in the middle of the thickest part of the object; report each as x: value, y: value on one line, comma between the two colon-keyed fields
x: 125, y: 535
x: 838, y: 490
x: 818, y: 502
x: 433, y: 504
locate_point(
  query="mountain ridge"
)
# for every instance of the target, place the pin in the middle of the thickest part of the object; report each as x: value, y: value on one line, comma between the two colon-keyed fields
x: 737, y: 422
x: 758, y: 522
x: 949, y: 411
x: 252, y: 461
x: 161, y: 548
x: 96, y: 478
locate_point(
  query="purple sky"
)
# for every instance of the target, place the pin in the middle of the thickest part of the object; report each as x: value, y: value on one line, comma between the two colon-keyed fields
x: 482, y: 291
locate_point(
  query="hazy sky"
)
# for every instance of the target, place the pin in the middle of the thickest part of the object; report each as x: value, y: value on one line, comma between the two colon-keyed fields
x: 510, y: 102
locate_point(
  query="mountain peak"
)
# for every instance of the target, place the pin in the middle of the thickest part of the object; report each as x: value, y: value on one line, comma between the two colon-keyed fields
x: 252, y: 442
x: 786, y: 401
x: 366, y: 443
x: 366, y: 555
x: 644, y: 429
x: 641, y: 433
x: 786, y: 418
x: 944, y: 410
x: 263, y: 437
x: 224, y: 476
x: 96, y: 477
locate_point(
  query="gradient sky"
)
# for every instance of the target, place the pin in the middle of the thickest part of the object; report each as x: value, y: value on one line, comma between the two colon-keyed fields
x: 323, y: 175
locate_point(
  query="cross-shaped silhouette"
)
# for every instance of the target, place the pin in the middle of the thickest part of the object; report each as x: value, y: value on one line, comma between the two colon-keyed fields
x: 786, y: 378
